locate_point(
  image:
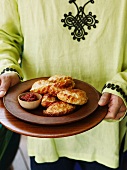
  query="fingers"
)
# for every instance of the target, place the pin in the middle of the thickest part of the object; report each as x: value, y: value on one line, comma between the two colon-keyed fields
x: 116, y: 106
x: 7, y: 80
x: 104, y: 100
x: 116, y: 115
x: 4, y: 85
x: 116, y: 109
x: 2, y: 93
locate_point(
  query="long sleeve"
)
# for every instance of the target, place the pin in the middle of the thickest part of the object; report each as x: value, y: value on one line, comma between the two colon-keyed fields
x: 118, y: 85
x: 11, y: 39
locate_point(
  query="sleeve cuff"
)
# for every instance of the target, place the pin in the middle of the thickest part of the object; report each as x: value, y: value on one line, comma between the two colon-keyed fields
x: 9, y: 70
x: 118, y: 91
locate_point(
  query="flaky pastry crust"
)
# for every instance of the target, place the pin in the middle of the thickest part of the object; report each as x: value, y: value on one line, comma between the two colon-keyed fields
x: 41, y: 86
x: 73, y: 96
x: 62, y: 81
x: 47, y: 100
x: 58, y: 109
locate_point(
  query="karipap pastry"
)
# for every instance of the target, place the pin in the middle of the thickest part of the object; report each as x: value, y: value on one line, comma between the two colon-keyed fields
x: 53, y: 85
x: 59, y: 95
x: 41, y: 86
x: 62, y: 81
x: 58, y: 109
x: 73, y: 96
x: 54, y: 90
x: 47, y: 100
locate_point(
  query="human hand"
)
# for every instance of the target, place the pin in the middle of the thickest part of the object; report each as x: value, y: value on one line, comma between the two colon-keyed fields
x: 7, y: 80
x: 116, y: 106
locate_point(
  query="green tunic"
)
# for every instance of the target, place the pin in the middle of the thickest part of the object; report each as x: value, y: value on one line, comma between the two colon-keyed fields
x: 49, y: 36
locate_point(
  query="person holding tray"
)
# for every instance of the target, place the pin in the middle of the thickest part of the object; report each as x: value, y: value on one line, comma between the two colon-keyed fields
x: 82, y: 39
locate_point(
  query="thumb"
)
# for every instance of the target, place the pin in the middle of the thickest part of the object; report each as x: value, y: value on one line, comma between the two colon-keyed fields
x: 4, y: 86
x: 104, y: 99
x: 2, y: 93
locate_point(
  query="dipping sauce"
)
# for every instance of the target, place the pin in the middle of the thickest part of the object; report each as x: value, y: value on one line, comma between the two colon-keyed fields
x: 29, y: 97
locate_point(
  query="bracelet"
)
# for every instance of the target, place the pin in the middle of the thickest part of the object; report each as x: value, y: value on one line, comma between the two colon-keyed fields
x: 11, y: 70
x: 117, y: 88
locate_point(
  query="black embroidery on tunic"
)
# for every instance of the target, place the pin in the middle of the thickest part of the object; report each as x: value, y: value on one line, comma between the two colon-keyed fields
x: 117, y: 88
x: 79, y: 21
x: 11, y: 69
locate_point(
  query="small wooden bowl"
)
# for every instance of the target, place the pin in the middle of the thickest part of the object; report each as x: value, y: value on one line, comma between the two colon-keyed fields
x: 30, y: 104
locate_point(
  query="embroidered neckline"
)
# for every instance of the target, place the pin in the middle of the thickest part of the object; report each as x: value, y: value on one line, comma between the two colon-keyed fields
x: 79, y: 21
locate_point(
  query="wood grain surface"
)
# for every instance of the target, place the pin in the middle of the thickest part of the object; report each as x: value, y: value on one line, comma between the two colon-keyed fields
x: 43, y: 131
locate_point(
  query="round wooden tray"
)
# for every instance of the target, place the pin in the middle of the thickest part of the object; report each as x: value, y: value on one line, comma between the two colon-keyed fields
x: 53, y: 131
x: 36, y: 116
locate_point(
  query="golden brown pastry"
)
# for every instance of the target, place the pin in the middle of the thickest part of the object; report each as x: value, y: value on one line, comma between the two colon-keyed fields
x: 59, y: 96
x: 47, y: 100
x: 57, y: 78
x: 41, y: 86
x: 58, y: 109
x: 62, y: 81
x: 54, y: 90
x: 73, y: 96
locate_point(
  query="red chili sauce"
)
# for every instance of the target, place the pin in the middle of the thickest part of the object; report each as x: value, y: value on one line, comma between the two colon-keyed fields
x: 29, y: 97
